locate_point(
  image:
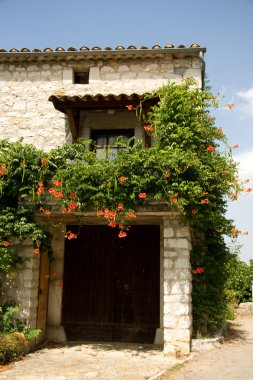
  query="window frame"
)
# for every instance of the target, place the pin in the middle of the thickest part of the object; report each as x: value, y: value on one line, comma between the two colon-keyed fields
x: 107, y: 133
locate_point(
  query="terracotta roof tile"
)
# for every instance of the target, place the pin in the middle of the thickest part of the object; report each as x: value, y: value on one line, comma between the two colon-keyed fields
x: 96, y: 52
x: 119, y: 47
x: 107, y: 89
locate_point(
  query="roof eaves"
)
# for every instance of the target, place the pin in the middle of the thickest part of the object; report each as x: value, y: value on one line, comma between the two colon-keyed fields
x: 83, y: 54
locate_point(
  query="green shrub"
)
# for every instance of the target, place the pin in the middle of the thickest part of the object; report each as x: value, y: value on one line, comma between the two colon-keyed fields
x: 10, y: 323
x: 239, y: 276
x: 10, y: 348
x: 190, y: 165
x: 14, y: 333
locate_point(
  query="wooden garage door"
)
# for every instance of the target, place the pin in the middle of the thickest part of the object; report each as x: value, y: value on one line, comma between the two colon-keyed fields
x: 111, y: 285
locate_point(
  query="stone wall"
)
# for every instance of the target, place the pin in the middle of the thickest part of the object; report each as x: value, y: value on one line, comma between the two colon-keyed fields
x: 25, y: 111
x: 244, y: 308
x: 21, y: 286
x: 177, y: 305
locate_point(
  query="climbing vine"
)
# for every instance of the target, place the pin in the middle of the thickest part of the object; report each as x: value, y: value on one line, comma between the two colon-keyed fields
x: 189, y: 165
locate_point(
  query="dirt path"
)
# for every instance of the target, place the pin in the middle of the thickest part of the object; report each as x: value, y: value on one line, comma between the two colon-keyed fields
x: 233, y: 361
x: 102, y: 361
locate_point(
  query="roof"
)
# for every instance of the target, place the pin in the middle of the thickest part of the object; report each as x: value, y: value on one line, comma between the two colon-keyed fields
x: 96, y: 52
x: 106, y: 88
x: 109, y: 92
x: 102, y: 93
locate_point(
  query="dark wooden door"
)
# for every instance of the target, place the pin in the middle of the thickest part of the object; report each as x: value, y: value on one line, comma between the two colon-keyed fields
x: 111, y: 285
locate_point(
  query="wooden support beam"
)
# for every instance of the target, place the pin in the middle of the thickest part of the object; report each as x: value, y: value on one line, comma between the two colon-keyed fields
x: 72, y: 123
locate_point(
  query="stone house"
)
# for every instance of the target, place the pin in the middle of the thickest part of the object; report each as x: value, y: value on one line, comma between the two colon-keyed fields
x: 141, y: 292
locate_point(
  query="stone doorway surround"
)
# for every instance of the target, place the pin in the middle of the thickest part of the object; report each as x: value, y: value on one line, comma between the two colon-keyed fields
x: 175, y: 281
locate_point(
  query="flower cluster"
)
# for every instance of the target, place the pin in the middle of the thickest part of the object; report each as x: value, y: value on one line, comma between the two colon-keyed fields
x: 122, y: 179
x: 3, y: 169
x: 231, y: 105
x: 40, y: 188
x: 53, y: 277
x: 235, y: 232
x: 198, y: 270
x: 210, y: 148
x: 70, y: 235
x: 148, y: 128
x: 43, y: 161
x: 112, y: 216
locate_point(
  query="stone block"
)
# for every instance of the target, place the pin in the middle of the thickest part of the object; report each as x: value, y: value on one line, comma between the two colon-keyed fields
x: 19, y: 106
x: 185, y: 322
x: 106, y: 70
x: 197, y: 63
x: 170, y: 243
x: 176, y: 348
x: 181, y: 287
x: 180, y: 243
x: 183, y: 335
x: 28, y: 284
x: 171, y: 275
x: 123, y: 69
x: 159, y: 337
x: 56, y: 67
x: 168, y: 232
x: 144, y: 75
x: 67, y: 76
x: 175, y: 298
x: 56, y: 334
x: 128, y: 75
x: 33, y: 68
x: 168, y: 263
x: 136, y: 67
x: 94, y: 73
x: 169, y: 253
x: 183, y: 263
x: 166, y: 286
x: 183, y: 232
x: 181, y: 309
x: 185, y: 275
x: 28, y: 275
x: 183, y: 252
x: 170, y: 321
x: 194, y: 73
x: 152, y: 67
x: 112, y: 76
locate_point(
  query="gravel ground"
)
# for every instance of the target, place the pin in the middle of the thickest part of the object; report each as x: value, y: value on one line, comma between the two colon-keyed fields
x: 232, y: 361
x: 105, y: 361
x: 91, y: 361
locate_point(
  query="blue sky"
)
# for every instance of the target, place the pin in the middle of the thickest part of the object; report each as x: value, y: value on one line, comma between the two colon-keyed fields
x: 224, y: 27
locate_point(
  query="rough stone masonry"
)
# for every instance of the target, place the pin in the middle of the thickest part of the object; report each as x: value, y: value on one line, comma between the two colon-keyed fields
x: 27, y: 80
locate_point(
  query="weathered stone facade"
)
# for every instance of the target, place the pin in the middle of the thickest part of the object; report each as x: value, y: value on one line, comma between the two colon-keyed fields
x: 26, y: 83
x: 25, y: 88
x: 22, y: 284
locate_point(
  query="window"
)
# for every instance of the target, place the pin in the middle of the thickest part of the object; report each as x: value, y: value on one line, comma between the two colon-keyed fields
x: 106, y: 141
x: 81, y: 77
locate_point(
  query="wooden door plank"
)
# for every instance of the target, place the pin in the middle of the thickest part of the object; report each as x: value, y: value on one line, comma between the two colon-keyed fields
x: 42, y: 297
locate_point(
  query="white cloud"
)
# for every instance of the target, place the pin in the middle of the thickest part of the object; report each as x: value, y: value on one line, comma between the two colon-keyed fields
x: 245, y: 161
x: 246, y: 106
